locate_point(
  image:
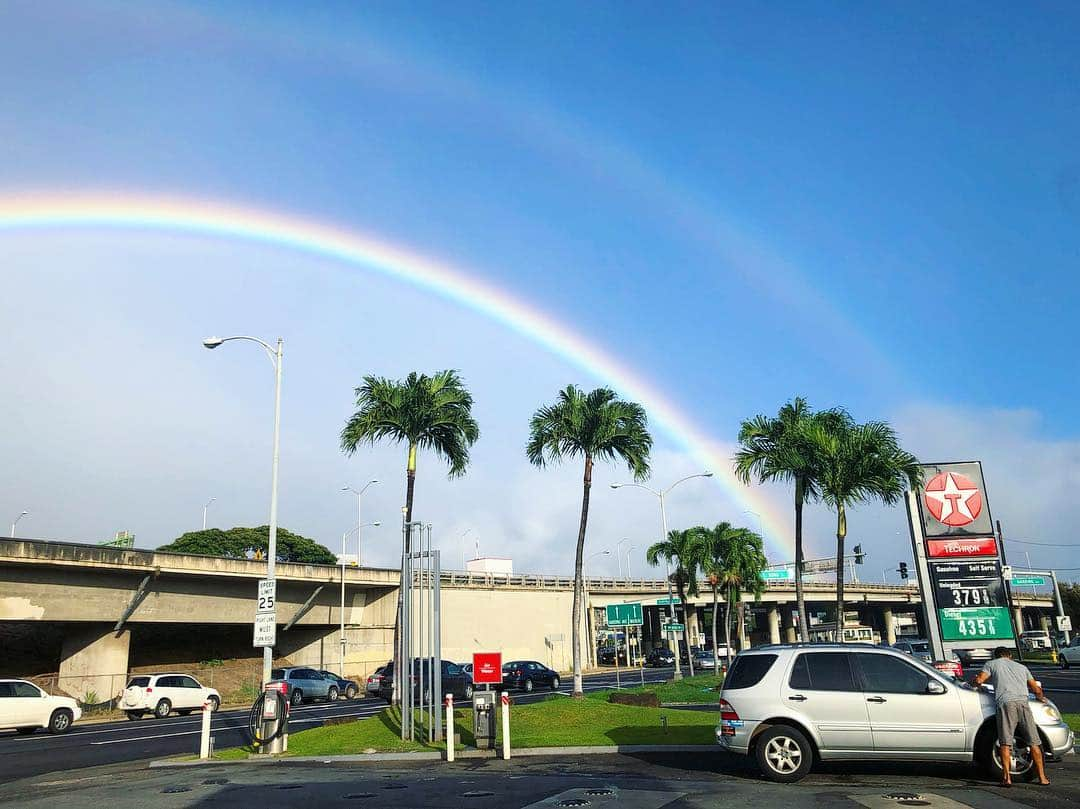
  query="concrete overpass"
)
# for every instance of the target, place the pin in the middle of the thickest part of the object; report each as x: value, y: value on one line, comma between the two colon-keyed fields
x: 92, y: 613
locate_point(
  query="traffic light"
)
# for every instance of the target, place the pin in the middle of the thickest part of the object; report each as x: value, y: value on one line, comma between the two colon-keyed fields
x: 903, y: 570
x: 859, y: 555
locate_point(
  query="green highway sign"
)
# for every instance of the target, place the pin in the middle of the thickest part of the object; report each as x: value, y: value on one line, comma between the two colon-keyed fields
x: 664, y: 601
x: 778, y: 574
x: 624, y: 615
x: 1028, y: 581
x: 673, y: 627
x: 975, y: 623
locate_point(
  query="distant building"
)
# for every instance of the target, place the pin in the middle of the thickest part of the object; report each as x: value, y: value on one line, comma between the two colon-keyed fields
x: 490, y: 564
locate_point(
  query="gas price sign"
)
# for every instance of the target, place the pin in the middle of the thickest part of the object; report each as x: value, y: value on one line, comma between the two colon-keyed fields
x: 968, y: 584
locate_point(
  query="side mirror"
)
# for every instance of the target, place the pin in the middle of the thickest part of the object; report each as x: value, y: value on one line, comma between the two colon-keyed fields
x: 934, y: 687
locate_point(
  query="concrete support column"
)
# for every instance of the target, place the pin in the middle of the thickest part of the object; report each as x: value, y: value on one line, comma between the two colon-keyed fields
x: 693, y: 625
x: 94, y: 663
x: 788, y: 624
x: 774, y: 624
x: 740, y: 618
x: 890, y: 626
x: 1018, y: 620
x: 1044, y: 621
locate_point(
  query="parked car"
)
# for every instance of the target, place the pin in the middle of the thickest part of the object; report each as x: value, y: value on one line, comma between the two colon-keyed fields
x: 528, y: 675
x: 917, y: 648
x: 1069, y: 656
x: 1035, y: 640
x: 348, y: 688
x: 707, y: 659
x: 787, y: 705
x: 974, y: 657
x: 467, y: 668
x: 24, y: 707
x: 455, y: 680
x: 374, y: 681
x: 660, y: 657
x: 305, y: 685
x: 952, y: 667
x: 161, y: 694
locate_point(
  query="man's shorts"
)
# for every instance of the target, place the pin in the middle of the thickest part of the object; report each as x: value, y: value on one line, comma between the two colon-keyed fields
x: 1013, y: 719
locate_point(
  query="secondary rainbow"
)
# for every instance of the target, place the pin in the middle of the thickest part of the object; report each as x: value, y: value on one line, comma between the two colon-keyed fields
x: 22, y: 211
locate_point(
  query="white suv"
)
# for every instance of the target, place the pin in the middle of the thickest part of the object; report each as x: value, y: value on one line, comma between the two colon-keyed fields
x: 788, y: 704
x: 25, y: 707
x: 161, y: 694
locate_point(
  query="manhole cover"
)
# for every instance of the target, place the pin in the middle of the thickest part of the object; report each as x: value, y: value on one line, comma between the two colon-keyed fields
x: 907, y: 798
x: 600, y: 791
x: 477, y: 793
x: 210, y: 782
x: 358, y: 796
x: 573, y: 802
x: 394, y: 786
x: 171, y: 790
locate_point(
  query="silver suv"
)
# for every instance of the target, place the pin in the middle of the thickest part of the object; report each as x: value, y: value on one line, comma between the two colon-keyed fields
x: 788, y: 704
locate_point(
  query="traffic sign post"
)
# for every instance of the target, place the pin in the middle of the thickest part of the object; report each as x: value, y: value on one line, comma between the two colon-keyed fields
x: 487, y: 668
x: 672, y: 627
x: 663, y: 602
x: 1028, y: 581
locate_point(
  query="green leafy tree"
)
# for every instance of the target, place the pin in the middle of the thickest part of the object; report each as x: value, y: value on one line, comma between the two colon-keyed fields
x: 858, y: 463
x: 251, y: 543
x: 1070, y: 600
x: 595, y: 426
x: 732, y: 560
x: 424, y: 412
x: 777, y: 449
x: 682, y: 550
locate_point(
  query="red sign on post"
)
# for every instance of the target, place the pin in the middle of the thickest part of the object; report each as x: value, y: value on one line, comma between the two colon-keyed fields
x: 487, y: 668
x: 949, y: 548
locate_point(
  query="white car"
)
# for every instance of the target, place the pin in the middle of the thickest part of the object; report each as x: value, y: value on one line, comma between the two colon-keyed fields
x: 1070, y: 655
x: 161, y: 694
x: 1035, y: 640
x: 25, y: 707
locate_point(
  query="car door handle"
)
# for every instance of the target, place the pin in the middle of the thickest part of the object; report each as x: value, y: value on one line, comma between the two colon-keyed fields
x: 797, y: 698
x: 876, y: 699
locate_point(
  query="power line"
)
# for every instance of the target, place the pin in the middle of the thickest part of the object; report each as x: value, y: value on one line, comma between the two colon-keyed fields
x: 1045, y: 544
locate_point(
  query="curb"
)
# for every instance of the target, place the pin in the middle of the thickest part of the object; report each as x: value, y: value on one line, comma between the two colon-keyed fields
x: 525, y: 752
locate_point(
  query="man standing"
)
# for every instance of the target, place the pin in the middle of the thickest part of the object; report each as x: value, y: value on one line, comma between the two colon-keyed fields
x: 1011, y: 681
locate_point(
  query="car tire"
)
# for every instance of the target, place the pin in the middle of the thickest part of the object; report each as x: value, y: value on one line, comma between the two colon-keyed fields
x: 350, y: 692
x: 134, y: 716
x: 215, y: 704
x: 332, y: 694
x: 60, y: 721
x: 1064, y: 662
x: 527, y: 686
x: 468, y: 691
x: 162, y: 709
x: 554, y: 683
x: 25, y: 731
x: 784, y: 754
x: 991, y: 758
x: 296, y: 697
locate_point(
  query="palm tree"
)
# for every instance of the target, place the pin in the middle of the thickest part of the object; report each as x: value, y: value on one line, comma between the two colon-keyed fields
x: 732, y: 559
x: 595, y: 426
x: 777, y: 449
x: 681, y: 549
x: 426, y: 412
x: 858, y: 462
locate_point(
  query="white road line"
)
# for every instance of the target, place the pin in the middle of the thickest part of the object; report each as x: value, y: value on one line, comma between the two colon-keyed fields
x: 194, y: 732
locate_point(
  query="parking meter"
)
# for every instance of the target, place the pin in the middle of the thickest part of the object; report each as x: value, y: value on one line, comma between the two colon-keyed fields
x: 484, y: 705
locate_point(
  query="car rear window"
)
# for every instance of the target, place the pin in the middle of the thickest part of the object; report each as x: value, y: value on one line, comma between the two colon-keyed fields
x: 138, y: 682
x: 920, y: 647
x: 277, y: 674
x: 747, y: 670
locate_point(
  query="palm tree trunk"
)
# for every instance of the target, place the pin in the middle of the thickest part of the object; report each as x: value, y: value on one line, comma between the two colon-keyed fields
x: 410, y: 485
x: 800, y: 597
x: 727, y: 628
x: 715, y: 647
x: 400, y: 655
x: 841, y: 533
x: 576, y: 628
x: 686, y: 622
x: 740, y: 616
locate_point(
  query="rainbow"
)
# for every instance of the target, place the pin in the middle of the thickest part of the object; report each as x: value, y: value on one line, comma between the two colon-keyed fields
x: 22, y: 211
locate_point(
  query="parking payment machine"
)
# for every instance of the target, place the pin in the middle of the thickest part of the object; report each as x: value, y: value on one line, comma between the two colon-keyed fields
x: 484, y: 707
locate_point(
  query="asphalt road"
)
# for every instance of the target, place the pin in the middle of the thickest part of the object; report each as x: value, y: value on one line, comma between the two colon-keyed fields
x: 90, y: 745
x: 1061, y: 686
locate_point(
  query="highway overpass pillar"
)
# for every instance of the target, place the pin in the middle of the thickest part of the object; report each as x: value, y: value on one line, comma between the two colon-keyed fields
x: 788, y: 624
x: 890, y: 626
x: 1018, y: 620
x: 774, y: 624
x: 94, y: 663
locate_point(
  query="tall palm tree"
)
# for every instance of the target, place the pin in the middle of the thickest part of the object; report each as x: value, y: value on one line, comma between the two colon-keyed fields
x: 732, y: 559
x: 682, y: 550
x: 426, y: 412
x: 595, y: 426
x: 777, y: 449
x: 858, y: 462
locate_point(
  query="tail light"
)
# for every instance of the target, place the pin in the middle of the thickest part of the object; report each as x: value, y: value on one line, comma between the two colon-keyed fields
x: 728, y: 712
x: 149, y: 689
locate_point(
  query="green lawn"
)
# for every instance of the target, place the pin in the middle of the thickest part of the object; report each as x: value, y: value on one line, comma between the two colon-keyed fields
x: 1073, y: 720
x: 556, y: 722
x: 701, y: 688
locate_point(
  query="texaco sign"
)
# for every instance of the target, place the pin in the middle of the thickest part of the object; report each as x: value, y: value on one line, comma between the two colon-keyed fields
x: 953, y: 501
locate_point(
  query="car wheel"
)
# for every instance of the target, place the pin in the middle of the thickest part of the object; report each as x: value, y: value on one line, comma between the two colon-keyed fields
x: 162, y: 709
x: 350, y: 692
x: 468, y: 692
x: 784, y: 754
x: 214, y: 703
x: 554, y: 683
x: 60, y: 721
x: 296, y: 697
x: 1064, y: 662
x: 332, y: 694
x: 528, y: 686
x: 25, y: 731
x: 134, y: 715
x: 1021, y: 765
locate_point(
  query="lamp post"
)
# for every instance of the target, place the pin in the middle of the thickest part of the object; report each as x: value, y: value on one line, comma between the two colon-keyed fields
x: 204, y: 508
x: 618, y: 554
x: 21, y: 515
x: 344, y: 536
x: 660, y: 494
x: 347, y: 488
x: 631, y: 548
x: 275, y: 355
x: 588, y: 608
x: 464, y: 534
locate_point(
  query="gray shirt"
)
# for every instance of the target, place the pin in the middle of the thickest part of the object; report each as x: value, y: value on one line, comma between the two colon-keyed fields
x: 1009, y: 679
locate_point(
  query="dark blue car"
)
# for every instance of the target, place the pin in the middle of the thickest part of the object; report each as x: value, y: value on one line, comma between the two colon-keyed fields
x: 346, y: 687
x: 527, y: 675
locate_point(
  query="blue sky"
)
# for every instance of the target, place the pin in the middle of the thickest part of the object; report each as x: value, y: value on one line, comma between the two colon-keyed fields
x: 871, y: 206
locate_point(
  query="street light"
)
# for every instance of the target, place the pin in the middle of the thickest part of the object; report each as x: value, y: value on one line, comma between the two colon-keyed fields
x: 23, y: 514
x: 464, y: 534
x: 344, y: 536
x: 631, y: 548
x: 347, y: 488
x: 204, y: 508
x: 275, y: 356
x: 618, y: 554
x: 660, y: 494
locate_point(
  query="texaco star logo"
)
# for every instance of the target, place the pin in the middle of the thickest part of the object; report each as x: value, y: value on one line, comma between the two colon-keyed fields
x: 953, y: 499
